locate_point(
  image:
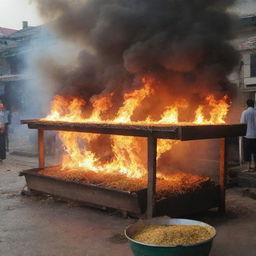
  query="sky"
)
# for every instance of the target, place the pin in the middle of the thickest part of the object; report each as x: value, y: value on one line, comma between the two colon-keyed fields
x: 13, y: 12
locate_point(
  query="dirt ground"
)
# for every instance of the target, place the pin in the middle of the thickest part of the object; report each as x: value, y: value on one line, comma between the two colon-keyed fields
x: 42, y: 226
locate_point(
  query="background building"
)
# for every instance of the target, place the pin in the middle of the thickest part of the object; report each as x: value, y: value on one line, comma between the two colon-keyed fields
x: 14, y: 47
x: 245, y: 75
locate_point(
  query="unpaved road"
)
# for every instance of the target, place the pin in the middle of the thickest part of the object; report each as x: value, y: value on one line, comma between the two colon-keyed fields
x: 41, y: 226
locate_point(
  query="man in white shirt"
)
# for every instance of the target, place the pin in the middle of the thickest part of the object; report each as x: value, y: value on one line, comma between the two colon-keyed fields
x: 249, y: 117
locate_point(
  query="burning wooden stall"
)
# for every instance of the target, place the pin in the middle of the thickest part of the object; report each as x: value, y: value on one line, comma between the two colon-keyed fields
x: 145, y: 200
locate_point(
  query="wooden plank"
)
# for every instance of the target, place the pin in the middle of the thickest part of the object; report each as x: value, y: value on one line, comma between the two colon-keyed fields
x: 151, y: 193
x: 175, y: 132
x: 178, y: 205
x: 170, y: 132
x: 192, y: 202
x: 211, y: 131
x: 90, y: 194
x: 223, y: 174
x: 41, y: 151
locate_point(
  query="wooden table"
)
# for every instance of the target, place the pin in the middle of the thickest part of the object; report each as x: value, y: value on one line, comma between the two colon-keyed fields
x: 182, y: 132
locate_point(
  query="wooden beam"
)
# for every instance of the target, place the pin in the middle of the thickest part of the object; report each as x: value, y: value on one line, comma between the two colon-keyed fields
x: 163, y: 131
x: 152, y: 154
x: 41, y: 152
x: 167, y: 132
x: 200, y: 132
x: 223, y: 174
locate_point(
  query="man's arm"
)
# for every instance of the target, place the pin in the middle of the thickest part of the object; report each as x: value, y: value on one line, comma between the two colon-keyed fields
x: 243, y: 119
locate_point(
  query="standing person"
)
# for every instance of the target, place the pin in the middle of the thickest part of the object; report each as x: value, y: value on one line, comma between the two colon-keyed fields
x: 249, y: 117
x: 2, y: 133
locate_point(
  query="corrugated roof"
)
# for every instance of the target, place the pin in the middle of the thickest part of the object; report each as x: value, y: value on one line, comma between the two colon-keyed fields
x: 25, y: 33
x: 6, y: 31
x: 17, y: 42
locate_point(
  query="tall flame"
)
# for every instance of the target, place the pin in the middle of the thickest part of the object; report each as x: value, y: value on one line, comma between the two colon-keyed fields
x: 218, y: 113
x: 124, y: 155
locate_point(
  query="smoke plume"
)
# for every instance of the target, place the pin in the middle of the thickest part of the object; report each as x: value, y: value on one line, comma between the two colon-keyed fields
x: 182, y: 44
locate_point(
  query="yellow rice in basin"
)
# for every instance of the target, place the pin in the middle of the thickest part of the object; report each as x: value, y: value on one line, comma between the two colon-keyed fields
x: 174, y: 235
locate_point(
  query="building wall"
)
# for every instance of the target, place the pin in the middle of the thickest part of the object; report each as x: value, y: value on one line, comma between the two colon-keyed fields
x: 4, y: 67
x: 246, y: 44
x: 249, y: 81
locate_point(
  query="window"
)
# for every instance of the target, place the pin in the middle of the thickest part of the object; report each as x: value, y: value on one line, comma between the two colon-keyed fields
x: 253, y: 65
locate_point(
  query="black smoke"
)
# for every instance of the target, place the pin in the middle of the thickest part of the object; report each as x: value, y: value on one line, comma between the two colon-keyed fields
x: 183, y: 44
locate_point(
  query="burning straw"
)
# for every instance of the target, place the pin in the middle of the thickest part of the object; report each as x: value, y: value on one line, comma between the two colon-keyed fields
x: 172, y: 184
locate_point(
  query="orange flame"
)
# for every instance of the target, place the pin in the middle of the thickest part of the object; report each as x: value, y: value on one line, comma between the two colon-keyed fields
x: 218, y: 113
x: 125, y: 155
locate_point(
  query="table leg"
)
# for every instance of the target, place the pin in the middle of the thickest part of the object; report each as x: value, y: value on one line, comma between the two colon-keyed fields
x: 152, y: 154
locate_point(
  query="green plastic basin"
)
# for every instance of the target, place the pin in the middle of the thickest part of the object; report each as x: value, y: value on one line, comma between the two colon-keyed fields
x: 141, y: 249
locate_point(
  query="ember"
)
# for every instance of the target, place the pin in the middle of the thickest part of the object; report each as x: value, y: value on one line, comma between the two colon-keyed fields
x: 166, y: 185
